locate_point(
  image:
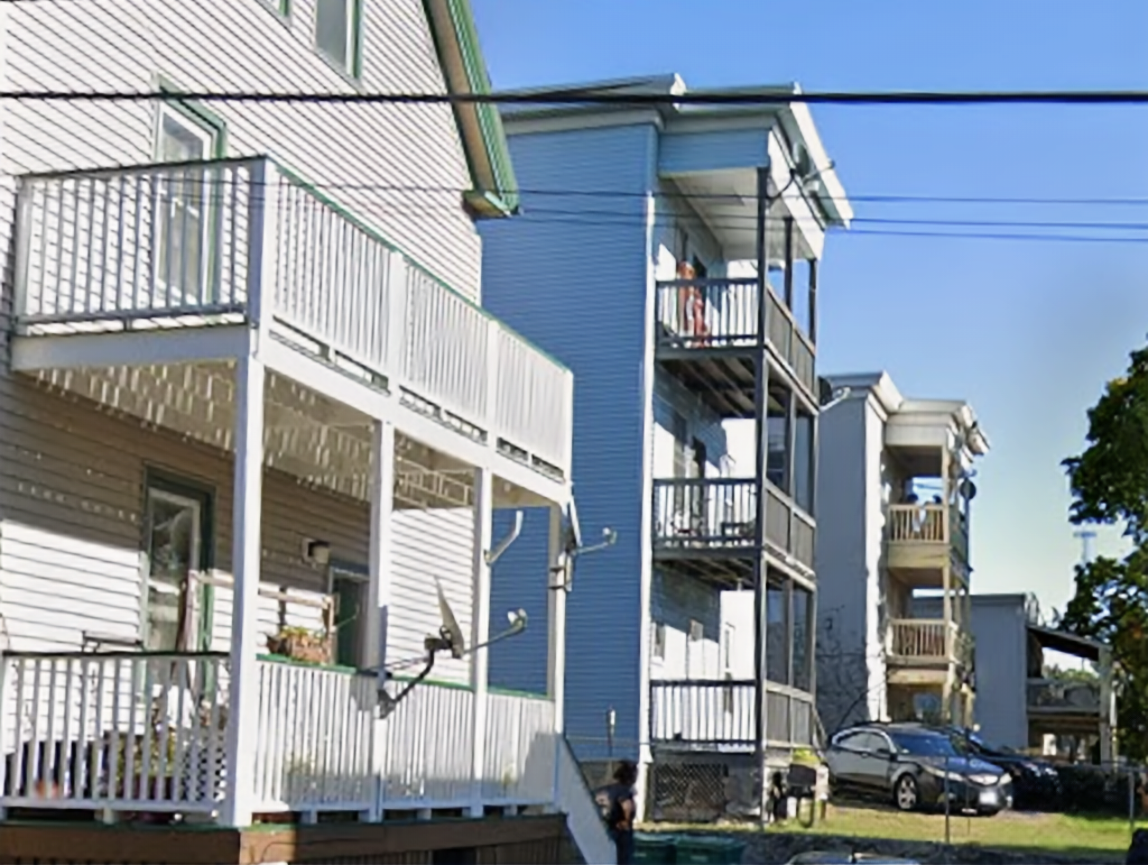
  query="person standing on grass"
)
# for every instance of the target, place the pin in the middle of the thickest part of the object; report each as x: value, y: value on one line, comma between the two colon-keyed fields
x: 621, y: 811
x: 1138, y: 849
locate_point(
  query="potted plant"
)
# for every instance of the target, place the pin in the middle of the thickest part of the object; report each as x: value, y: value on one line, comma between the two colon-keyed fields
x: 301, y: 644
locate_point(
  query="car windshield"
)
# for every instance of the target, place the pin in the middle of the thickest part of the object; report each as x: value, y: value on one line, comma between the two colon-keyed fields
x: 928, y: 745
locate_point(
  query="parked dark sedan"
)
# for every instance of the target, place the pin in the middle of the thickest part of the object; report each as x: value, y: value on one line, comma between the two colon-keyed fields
x: 917, y: 767
x: 1036, y: 783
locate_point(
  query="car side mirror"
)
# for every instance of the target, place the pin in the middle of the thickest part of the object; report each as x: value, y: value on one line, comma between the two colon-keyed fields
x: 891, y: 756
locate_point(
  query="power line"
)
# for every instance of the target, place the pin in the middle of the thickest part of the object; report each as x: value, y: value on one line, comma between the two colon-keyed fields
x: 674, y: 195
x: 733, y: 98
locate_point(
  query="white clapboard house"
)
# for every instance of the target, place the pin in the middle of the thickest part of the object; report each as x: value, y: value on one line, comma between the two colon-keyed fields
x: 253, y: 416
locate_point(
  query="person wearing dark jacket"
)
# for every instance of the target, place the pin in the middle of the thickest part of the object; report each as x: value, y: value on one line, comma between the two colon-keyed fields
x: 622, y: 808
x: 1138, y: 849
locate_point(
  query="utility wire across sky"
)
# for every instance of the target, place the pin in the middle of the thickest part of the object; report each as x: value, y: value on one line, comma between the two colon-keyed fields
x: 748, y: 98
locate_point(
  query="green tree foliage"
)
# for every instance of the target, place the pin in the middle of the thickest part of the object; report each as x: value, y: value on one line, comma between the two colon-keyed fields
x: 1109, y: 483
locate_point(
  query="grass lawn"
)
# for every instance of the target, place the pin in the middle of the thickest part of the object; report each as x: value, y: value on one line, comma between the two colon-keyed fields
x: 1052, y: 833
x: 1055, y: 834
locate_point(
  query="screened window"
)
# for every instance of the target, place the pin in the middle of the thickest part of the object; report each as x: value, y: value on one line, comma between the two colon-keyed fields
x: 337, y: 29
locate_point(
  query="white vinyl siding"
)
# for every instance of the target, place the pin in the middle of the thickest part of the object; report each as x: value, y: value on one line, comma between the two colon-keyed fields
x: 72, y: 483
x: 400, y: 167
x: 337, y: 28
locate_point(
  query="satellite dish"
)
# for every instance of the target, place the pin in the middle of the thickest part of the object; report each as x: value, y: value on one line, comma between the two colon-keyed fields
x: 969, y: 490
x: 802, y: 161
x: 449, y: 639
x: 450, y: 632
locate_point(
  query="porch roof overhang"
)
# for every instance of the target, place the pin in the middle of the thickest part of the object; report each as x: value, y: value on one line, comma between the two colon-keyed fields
x: 85, y: 364
x: 356, y: 320
x: 714, y: 151
x: 1069, y: 644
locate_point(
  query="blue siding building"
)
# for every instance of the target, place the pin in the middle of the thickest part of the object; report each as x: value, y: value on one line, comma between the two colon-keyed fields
x: 634, y: 261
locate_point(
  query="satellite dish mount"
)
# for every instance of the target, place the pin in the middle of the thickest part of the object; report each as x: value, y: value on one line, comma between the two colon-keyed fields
x: 573, y: 548
x: 451, y: 639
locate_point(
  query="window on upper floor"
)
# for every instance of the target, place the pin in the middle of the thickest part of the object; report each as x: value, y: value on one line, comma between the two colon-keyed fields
x: 802, y: 627
x: 183, y: 220
x: 338, y: 33
x: 282, y: 7
x: 803, y: 458
x: 659, y: 641
x: 777, y: 634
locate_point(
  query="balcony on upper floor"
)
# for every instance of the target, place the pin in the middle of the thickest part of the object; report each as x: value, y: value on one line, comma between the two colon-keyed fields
x: 923, y: 538
x: 161, y: 252
x: 927, y: 644
x: 708, y: 336
x: 705, y: 527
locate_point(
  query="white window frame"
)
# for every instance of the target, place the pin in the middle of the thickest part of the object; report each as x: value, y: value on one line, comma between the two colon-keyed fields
x: 187, y: 604
x: 210, y: 138
x: 351, y: 65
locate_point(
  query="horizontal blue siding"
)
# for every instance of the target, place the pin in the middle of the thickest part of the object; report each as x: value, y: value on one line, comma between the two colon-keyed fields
x: 685, y: 153
x: 518, y: 581
x: 576, y: 285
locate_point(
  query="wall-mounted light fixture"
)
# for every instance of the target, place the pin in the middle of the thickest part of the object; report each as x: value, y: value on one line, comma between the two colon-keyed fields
x: 316, y: 552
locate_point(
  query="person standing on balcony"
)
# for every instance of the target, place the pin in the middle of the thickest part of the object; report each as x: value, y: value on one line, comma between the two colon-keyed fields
x: 618, y: 804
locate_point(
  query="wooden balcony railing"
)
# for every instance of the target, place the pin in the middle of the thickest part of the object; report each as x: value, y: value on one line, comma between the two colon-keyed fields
x: 723, y: 313
x: 721, y: 713
x: 243, y: 240
x: 147, y: 732
x: 917, y: 524
x: 700, y: 513
x: 921, y: 639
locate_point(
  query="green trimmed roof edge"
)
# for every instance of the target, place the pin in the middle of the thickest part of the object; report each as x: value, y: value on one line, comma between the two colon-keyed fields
x: 495, y: 191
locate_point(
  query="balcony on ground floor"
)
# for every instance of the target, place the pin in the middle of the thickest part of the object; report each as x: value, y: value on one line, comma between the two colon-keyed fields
x: 146, y: 733
x: 720, y: 715
x: 927, y: 643
x: 143, y: 278
x: 707, y: 336
x: 706, y: 526
x: 926, y: 538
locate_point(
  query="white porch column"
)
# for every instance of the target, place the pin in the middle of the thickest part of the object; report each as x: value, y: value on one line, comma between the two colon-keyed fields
x: 480, y: 628
x: 556, y: 633
x: 379, y: 587
x: 382, y: 506
x: 246, y: 552
x: 556, y: 643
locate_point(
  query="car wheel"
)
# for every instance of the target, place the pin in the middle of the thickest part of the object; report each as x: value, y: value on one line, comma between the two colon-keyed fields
x: 906, y: 794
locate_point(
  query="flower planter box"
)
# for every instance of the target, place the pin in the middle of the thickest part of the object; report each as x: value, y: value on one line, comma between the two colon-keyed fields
x: 306, y: 648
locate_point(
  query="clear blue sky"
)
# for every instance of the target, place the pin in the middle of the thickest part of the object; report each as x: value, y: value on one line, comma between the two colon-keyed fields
x: 1026, y: 331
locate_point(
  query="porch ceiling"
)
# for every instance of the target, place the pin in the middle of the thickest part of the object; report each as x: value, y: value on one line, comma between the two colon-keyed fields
x: 320, y: 441
x: 726, y: 201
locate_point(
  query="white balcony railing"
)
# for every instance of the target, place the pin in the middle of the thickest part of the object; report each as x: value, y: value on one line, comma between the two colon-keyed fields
x: 146, y: 732
x: 166, y: 246
x: 141, y: 732
x: 316, y: 732
x: 721, y: 713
